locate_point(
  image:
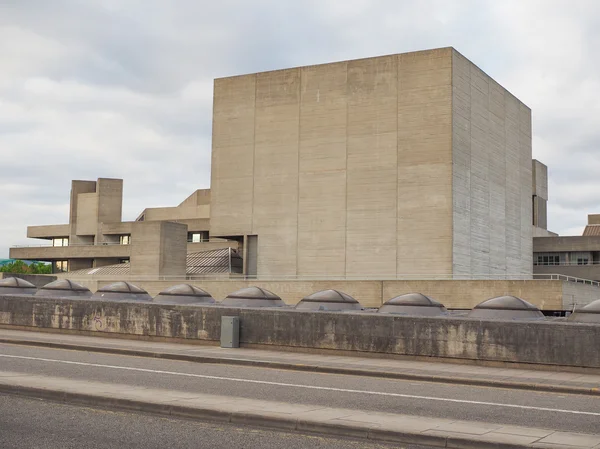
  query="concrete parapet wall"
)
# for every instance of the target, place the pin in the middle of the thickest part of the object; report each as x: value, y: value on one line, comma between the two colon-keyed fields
x: 455, y: 294
x: 544, y: 343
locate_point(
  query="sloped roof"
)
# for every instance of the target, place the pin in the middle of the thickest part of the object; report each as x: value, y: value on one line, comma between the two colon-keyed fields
x: 215, y: 261
x: 591, y: 230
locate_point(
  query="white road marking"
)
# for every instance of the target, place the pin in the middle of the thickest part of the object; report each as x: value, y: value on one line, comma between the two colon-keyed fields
x: 309, y: 387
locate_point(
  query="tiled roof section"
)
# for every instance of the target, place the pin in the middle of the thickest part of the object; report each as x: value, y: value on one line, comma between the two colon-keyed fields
x: 591, y: 230
x: 108, y: 270
x: 204, y: 262
x: 216, y: 261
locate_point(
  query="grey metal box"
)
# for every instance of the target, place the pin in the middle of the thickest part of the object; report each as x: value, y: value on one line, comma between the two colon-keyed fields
x: 230, y: 332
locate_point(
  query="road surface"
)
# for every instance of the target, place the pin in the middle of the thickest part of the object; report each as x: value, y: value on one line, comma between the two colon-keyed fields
x: 575, y: 413
x: 29, y: 423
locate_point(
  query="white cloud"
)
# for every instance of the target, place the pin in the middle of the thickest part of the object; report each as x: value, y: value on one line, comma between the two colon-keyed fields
x: 123, y: 88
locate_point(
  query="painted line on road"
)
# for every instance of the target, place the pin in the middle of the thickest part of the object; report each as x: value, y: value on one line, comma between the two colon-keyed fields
x: 309, y: 387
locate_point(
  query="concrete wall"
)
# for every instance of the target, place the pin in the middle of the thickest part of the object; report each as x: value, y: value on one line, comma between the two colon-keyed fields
x: 492, y: 180
x: 567, y: 243
x: 78, y: 188
x: 177, y: 213
x: 546, y: 294
x: 110, y: 201
x: 317, y: 161
x: 158, y: 249
x: 545, y: 343
x: 71, y: 252
x: 540, y: 194
x: 48, y: 231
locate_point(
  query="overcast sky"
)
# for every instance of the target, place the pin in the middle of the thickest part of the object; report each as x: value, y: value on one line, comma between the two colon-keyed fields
x: 123, y: 88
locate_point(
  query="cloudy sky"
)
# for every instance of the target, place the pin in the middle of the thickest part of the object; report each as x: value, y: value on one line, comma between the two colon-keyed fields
x: 123, y: 88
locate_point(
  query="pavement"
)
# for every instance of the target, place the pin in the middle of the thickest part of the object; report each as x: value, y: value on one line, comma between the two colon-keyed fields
x: 465, y: 374
x: 27, y: 423
x: 241, y: 387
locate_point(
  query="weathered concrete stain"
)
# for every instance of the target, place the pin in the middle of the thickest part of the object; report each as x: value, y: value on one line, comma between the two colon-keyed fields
x: 543, y: 342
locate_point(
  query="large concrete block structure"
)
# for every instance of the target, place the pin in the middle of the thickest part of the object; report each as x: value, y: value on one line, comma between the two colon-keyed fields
x: 160, y: 242
x: 415, y: 164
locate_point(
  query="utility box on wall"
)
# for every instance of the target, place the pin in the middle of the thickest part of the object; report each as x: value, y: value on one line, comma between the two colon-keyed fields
x: 230, y: 332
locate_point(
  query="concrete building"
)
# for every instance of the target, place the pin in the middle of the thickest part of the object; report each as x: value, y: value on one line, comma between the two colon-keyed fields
x: 577, y: 256
x: 574, y: 256
x: 408, y: 165
x: 400, y: 165
x: 158, y: 243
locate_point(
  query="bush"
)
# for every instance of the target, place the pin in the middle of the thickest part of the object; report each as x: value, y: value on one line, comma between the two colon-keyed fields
x: 20, y: 267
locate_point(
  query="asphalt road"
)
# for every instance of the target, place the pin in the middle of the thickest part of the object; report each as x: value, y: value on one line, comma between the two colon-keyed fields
x: 577, y: 413
x: 30, y: 423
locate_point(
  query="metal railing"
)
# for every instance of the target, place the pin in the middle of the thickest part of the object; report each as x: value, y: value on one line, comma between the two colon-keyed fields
x: 565, y: 264
x: 280, y: 278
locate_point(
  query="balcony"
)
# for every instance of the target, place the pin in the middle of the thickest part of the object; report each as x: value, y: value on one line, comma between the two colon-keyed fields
x: 76, y: 251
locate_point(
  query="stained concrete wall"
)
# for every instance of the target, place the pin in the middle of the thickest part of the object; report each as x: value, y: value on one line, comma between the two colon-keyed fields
x: 545, y: 343
x: 492, y: 175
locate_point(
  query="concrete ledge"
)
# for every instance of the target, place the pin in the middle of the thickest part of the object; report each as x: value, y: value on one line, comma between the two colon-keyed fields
x: 290, y: 417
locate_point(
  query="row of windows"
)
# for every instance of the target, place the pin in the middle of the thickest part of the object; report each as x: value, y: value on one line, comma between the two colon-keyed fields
x: 547, y: 260
x: 555, y: 260
x: 193, y: 237
x: 64, y: 241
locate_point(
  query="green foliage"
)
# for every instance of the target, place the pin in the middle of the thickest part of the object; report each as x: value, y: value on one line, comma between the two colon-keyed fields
x: 20, y: 267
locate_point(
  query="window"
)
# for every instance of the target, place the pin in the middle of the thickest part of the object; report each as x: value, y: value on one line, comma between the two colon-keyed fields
x: 197, y: 237
x: 61, y: 266
x: 123, y: 260
x: 582, y: 261
x: 125, y: 240
x: 60, y: 241
x: 547, y: 259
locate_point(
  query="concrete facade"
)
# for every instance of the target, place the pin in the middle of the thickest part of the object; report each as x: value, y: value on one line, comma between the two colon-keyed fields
x: 155, y: 244
x: 399, y: 165
x: 159, y: 249
x: 576, y: 256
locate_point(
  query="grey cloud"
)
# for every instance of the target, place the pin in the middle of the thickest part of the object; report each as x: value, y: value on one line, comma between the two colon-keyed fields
x: 123, y: 88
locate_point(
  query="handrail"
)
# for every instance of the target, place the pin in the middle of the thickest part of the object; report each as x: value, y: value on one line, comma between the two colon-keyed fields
x: 565, y: 264
x: 267, y: 278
